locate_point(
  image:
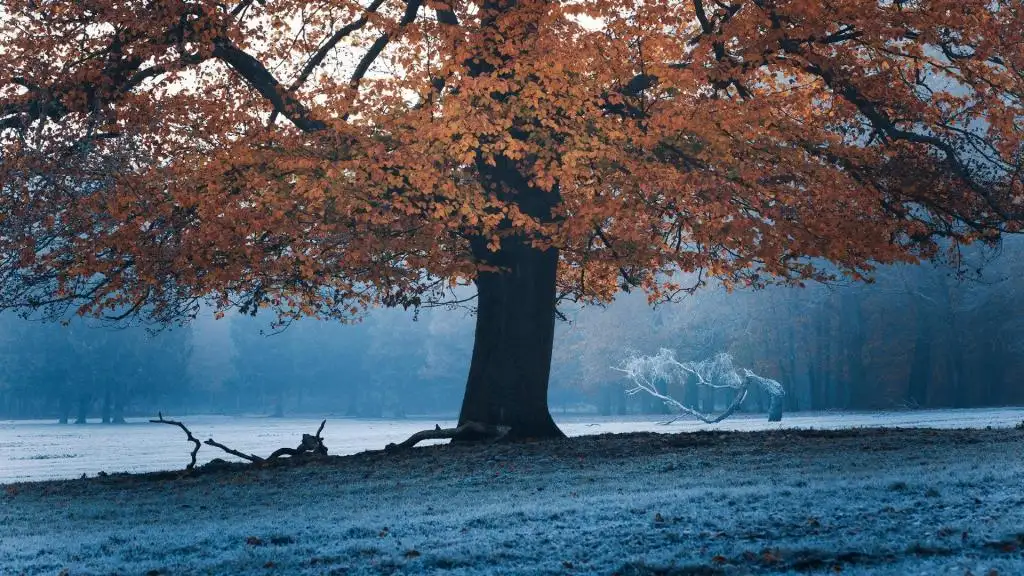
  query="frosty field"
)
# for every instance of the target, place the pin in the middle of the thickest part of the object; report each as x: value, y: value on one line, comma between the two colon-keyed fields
x: 37, y: 450
x: 861, y: 501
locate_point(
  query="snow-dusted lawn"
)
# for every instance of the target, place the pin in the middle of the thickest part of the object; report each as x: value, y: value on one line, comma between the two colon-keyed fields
x: 869, y: 501
x: 48, y: 451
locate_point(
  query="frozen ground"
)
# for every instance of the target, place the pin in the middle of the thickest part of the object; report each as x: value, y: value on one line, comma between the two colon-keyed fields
x: 861, y: 501
x: 48, y: 451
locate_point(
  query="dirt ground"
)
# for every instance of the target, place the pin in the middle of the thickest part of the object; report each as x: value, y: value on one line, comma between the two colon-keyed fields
x: 861, y: 501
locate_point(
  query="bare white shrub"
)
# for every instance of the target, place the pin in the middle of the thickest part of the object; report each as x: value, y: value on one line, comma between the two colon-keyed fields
x: 718, y: 371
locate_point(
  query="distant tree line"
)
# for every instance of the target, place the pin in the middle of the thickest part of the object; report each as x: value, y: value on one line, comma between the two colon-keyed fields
x: 924, y: 336
x: 77, y: 372
x: 387, y: 366
x: 917, y: 337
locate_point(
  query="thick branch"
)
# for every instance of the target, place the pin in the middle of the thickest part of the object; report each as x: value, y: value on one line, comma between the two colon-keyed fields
x: 254, y: 72
x: 329, y: 45
x: 310, y: 445
x: 736, y: 402
x: 889, y: 131
x: 411, y: 9
x: 325, y: 49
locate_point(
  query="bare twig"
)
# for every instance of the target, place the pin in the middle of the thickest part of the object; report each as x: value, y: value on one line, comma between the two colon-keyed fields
x: 188, y: 433
x: 469, y: 429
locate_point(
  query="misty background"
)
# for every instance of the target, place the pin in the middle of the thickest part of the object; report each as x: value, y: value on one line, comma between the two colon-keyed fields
x: 918, y: 337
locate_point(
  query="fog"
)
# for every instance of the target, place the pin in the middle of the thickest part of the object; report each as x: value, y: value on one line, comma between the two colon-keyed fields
x: 917, y: 337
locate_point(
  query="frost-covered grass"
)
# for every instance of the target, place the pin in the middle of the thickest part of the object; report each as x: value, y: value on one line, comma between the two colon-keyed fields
x: 866, y: 501
x: 48, y: 451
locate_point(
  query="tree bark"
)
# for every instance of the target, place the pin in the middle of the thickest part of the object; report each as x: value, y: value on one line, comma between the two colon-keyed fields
x: 65, y: 407
x: 691, y: 394
x: 605, y: 403
x: 515, y: 329
x: 515, y: 320
x: 856, y: 392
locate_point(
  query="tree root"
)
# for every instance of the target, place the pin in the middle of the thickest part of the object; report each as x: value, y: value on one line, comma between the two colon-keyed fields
x: 469, y: 430
x: 311, y: 446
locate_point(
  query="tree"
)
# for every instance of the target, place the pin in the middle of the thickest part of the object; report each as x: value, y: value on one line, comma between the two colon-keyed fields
x: 321, y: 156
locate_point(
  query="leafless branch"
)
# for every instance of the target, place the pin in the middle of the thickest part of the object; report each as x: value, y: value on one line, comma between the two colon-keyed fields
x: 310, y: 446
x: 188, y: 434
x: 248, y: 457
x: 411, y: 9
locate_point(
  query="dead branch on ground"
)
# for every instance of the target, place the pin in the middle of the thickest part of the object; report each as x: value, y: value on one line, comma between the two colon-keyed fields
x: 466, y: 431
x: 311, y: 446
x: 188, y: 434
x: 248, y: 457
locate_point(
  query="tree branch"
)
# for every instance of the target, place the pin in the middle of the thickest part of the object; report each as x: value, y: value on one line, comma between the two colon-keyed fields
x: 310, y: 445
x: 248, y: 457
x: 321, y: 54
x: 188, y: 434
x: 253, y: 71
x: 411, y: 9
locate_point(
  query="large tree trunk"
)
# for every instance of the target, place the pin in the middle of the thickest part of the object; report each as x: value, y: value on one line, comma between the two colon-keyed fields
x: 515, y: 329
x: 515, y: 321
x: 65, y: 407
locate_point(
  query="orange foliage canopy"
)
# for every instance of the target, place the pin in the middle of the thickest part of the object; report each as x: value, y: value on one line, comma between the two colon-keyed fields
x: 317, y: 156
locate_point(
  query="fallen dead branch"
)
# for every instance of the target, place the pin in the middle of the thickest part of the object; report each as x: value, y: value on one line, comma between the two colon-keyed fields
x: 311, y: 446
x: 249, y: 457
x: 466, y: 431
x: 188, y: 433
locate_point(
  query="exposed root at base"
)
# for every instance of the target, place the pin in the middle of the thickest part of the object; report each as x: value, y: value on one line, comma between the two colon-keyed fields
x: 467, y: 431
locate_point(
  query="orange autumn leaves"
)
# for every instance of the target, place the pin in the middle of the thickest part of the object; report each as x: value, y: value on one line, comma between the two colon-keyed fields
x: 321, y: 156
